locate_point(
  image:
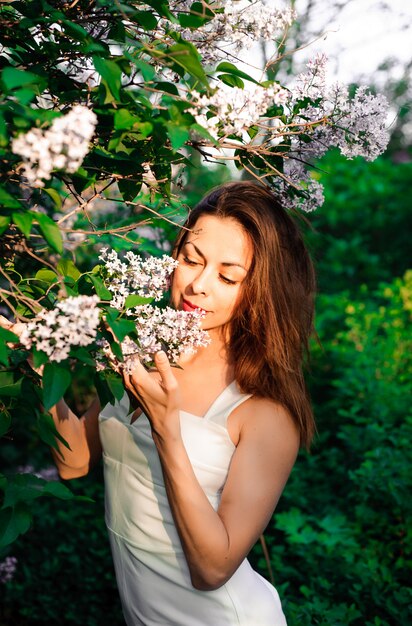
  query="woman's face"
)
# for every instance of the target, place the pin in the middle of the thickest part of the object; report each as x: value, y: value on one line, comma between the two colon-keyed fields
x: 213, y: 264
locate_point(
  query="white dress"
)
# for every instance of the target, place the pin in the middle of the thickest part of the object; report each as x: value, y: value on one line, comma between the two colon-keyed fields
x: 151, y: 569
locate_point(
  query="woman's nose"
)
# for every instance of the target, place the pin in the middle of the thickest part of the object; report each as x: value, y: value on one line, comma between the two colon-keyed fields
x: 201, y: 283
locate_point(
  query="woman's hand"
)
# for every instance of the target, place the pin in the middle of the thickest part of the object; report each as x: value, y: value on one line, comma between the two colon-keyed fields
x: 157, y: 393
x: 17, y: 329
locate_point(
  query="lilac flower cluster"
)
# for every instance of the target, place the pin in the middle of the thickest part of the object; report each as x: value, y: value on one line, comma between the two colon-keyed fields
x: 357, y: 126
x: 62, y: 147
x: 148, y: 278
x: 235, y: 109
x: 236, y: 25
x: 46, y: 473
x: 7, y: 569
x: 173, y: 331
x: 73, y: 322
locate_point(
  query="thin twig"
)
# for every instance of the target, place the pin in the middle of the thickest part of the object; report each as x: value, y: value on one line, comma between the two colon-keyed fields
x: 266, y: 554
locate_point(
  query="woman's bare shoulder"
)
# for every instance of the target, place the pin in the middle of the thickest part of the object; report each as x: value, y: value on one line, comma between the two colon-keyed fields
x: 264, y: 417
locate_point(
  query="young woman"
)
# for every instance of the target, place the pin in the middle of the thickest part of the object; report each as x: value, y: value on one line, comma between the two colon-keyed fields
x: 193, y: 475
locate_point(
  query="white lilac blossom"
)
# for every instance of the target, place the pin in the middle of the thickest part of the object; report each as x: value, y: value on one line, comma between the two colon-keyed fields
x: 46, y: 473
x: 235, y: 109
x: 148, y: 278
x: 357, y: 126
x: 7, y: 569
x: 72, y: 322
x: 62, y: 147
x: 173, y: 331
x: 310, y: 191
x: 236, y: 25
x: 312, y: 83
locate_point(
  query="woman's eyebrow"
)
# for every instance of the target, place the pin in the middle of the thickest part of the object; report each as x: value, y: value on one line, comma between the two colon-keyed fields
x: 224, y: 263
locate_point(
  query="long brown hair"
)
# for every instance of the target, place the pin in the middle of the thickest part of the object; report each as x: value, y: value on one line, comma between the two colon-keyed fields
x: 271, y: 326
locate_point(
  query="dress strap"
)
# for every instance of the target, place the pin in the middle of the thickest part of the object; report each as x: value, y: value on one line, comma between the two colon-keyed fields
x: 228, y: 400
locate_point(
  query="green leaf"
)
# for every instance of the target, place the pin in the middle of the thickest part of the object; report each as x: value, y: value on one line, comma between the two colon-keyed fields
x: 4, y: 135
x: 100, y: 288
x: 197, y: 128
x: 162, y: 8
x: 132, y: 300
x: 145, y: 19
x: 229, y: 68
x: 82, y: 355
x: 5, y: 421
x: 66, y: 267
x: 49, y: 230
x: 8, y: 201
x: 22, y: 488
x: 46, y: 276
x: 115, y: 385
x: 56, y: 380
x: 178, y: 135
x: 58, y: 490
x: 185, y: 55
x: 11, y: 391
x: 147, y: 71
x: 124, y: 120
x: 48, y: 432
x: 117, y: 350
x: 23, y: 222
x: 121, y: 327
x: 12, y: 77
x: 75, y: 30
x: 111, y: 73
x: 54, y: 195
x: 232, y: 80
x: 103, y: 390
x: 6, y: 378
x: 13, y: 522
x: 6, y: 336
x: 25, y: 95
x: 39, y: 358
x: 4, y: 223
x: 199, y: 15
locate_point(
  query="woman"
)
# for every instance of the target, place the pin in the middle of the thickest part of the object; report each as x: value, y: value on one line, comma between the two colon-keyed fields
x: 193, y: 475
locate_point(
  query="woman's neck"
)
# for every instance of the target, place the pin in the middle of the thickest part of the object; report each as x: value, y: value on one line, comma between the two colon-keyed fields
x: 214, y: 354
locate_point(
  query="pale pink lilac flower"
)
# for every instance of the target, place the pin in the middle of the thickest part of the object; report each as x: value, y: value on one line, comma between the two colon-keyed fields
x: 239, y: 26
x: 47, y: 473
x: 7, y: 569
x: 357, y: 126
x: 312, y: 196
x: 235, y: 109
x: 148, y: 278
x: 62, y: 147
x: 173, y: 331
x: 73, y: 322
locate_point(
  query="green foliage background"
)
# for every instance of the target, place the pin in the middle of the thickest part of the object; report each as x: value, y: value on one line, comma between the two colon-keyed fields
x: 340, y: 540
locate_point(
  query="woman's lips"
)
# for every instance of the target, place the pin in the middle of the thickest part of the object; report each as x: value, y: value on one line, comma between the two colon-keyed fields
x: 188, y: 306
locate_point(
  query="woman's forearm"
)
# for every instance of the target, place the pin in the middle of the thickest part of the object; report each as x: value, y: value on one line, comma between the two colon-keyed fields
x: 82, y: 437
x: 202, y: 532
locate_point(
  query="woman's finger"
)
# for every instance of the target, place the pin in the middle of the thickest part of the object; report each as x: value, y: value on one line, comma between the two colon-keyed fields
x: 163, y: 366
x: 138, y: 375
x: 5, y: 323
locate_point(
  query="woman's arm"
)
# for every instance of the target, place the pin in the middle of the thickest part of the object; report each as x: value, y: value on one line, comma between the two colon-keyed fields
x: 82, y: 435
x: 215, y: 543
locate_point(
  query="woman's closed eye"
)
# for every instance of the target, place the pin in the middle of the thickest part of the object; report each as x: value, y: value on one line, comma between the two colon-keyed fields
x: 227, y: 280
x: 189, y: 261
